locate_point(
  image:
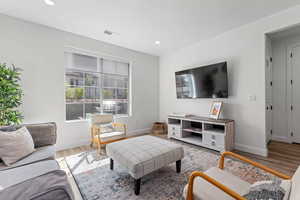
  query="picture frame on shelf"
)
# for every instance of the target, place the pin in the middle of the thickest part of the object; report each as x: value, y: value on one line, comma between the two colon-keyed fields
x: 215, y: 109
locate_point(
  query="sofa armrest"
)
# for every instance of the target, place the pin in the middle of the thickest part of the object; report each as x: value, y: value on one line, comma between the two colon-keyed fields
x: 43, y: 134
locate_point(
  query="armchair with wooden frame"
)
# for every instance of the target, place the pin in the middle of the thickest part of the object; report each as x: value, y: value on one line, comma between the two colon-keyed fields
x: 104, y: 130
x: 217, y: 184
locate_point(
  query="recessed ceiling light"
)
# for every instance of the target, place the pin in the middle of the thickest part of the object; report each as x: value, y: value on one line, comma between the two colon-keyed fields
x: 157, y: 42
x: 49, y: 2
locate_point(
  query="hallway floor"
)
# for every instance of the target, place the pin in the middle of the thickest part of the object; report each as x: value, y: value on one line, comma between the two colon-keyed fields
x: 283, y: 157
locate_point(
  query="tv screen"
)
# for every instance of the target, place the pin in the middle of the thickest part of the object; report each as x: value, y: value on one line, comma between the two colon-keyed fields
x: 203, y: 82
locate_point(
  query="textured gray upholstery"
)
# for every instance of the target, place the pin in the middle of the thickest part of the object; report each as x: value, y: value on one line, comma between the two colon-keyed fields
x: 43, y: 134
x: 37, y: 181
x: 19, y: 174
x: 145, y: 154
x: 37, y: 176
x: 42, y: 153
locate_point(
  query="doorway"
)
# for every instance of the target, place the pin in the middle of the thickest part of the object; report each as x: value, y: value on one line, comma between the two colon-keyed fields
x: 283, y: 86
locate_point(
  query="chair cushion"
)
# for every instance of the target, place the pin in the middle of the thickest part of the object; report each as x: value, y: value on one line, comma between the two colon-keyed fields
x: 204, y: 190
x: 15, y: 145
x: 105, y: 128
x: 104, y: 137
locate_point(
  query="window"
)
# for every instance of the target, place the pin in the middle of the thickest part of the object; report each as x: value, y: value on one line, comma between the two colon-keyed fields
x: 95, y: 85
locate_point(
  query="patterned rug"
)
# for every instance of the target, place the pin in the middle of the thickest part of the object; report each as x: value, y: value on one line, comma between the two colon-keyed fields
x: 96, y: 181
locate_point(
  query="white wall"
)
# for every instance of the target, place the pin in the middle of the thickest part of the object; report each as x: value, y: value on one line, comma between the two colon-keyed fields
x: 39, y: 51
x: 244, y: 49
x: 280, y: 88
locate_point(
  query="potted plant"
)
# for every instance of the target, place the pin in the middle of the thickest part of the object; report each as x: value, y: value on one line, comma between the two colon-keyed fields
x: 10, y: 95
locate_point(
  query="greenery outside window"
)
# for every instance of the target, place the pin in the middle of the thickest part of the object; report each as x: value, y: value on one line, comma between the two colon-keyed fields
x: 95, y: 85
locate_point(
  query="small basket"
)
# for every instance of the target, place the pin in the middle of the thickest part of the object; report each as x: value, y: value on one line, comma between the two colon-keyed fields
x: 159, y: 128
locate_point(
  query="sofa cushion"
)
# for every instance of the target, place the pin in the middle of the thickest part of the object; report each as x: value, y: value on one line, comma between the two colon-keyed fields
x: 17, y: 175
x: 10, y: 128
x: 204, y: 190
x: 43, y: 134
x: 42, y: 153
x: 53, y: 185
x: 15, y: 145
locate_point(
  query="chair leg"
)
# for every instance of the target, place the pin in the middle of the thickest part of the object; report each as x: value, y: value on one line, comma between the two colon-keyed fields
x: 92, y: 137
x: 178, y: 166
x: 137, y: 186
x: 99, y: 147
x: 111, y: 164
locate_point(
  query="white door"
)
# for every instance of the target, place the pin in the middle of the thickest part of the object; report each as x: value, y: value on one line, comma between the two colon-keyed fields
x: 268, y: 71
x: 295, y: 94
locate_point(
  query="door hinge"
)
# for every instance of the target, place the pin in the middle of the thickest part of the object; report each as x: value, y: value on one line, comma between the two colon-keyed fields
x: 292, y: 107
x: 292, y: 134
x: 271, y: 59
x: 291, y: 54
x: 271, y: 83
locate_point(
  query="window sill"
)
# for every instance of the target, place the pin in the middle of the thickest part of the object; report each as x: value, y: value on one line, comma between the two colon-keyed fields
x: 86, y: 120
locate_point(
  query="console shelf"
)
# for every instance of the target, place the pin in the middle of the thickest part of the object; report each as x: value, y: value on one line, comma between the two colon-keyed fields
x: 192, y: 130
x: 210, y: 133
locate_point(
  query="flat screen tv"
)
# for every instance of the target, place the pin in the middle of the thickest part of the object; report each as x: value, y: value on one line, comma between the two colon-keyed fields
x: 203, y: 82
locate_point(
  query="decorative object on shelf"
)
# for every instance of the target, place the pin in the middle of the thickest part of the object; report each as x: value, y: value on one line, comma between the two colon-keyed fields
x: 10, y: 95
x: 159, y: 128
x: 216, y: 109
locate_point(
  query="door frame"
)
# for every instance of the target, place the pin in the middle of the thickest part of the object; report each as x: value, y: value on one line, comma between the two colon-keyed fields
x: 289, y: 89
x: 269, y: 88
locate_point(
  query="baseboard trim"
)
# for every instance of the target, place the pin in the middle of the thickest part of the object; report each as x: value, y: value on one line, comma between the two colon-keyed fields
x: 251, y: 149
x: 86, y: 141
x: 78, y: 143
x: 139, y: 131
x: 281, y: 139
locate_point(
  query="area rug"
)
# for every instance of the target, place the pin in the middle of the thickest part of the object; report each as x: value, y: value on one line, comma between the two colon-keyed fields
x: 96, y: 181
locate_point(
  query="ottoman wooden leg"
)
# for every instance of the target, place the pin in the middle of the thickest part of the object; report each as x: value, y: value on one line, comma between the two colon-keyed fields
x: 137, y: 186
x: 111, y: 164
x: 178, y: 166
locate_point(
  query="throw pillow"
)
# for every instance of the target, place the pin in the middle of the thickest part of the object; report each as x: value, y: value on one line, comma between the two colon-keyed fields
x: 266, y: 190
x: 15, y: 145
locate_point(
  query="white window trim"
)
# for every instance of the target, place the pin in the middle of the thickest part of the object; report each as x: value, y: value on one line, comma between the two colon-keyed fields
x: 70, y: 49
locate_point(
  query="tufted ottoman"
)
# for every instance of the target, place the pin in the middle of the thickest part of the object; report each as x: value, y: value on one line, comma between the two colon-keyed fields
x: 143, y: 155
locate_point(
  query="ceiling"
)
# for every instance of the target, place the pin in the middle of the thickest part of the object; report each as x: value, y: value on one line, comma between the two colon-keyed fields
x: 139, y: 23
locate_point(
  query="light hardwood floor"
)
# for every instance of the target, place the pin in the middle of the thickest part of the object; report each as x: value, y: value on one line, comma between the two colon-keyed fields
x: 282, y: 157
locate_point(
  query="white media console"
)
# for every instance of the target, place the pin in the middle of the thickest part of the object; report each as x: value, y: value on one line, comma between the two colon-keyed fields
x: 210, y: 133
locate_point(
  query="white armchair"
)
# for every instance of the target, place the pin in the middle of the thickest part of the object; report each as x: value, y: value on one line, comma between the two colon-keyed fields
x: 105, y: 131
x: 217, y: 184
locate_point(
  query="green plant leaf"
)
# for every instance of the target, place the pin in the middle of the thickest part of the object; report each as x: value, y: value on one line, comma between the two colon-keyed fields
x: 10, y: 95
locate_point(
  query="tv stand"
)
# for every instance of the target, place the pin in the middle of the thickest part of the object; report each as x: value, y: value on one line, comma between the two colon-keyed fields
x: 216, y: 134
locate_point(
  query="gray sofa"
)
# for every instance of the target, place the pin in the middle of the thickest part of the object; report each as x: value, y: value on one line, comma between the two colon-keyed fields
x: 37, y: 176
